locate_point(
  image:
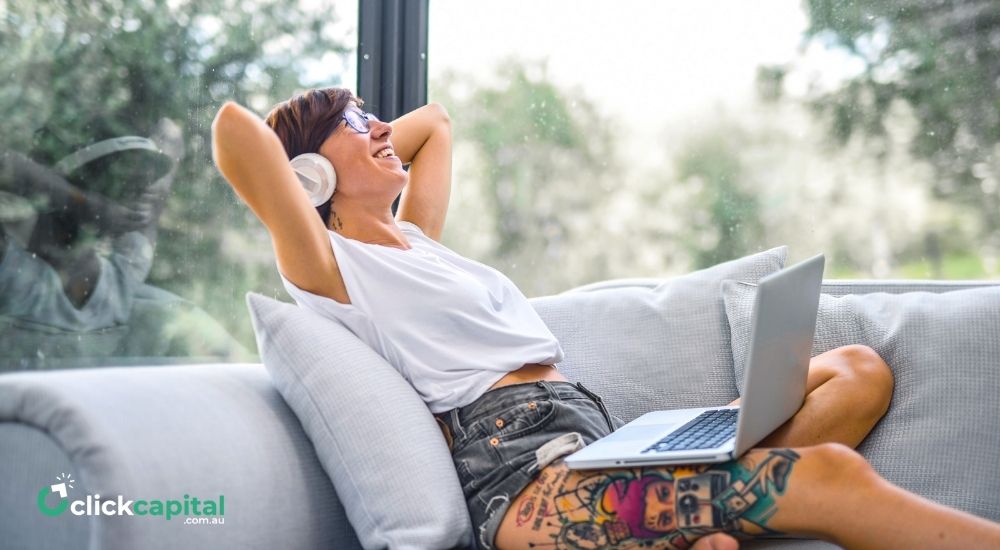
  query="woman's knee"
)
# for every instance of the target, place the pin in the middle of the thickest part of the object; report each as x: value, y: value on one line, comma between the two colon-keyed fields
x: 871, y: 373
x: 837, y: 463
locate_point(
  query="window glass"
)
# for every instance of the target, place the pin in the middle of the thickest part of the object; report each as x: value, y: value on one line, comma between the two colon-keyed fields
x: 656, y: 138
x: 121, y: 243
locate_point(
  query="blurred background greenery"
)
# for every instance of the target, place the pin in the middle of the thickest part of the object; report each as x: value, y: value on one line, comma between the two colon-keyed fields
x: 891, y: 169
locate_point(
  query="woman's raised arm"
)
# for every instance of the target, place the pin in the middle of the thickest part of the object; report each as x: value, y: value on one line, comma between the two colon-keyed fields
x: 423, y: 136
x: 251, y: 158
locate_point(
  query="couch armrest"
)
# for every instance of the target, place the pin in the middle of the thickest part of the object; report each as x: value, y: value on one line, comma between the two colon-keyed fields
x: 160, y: 433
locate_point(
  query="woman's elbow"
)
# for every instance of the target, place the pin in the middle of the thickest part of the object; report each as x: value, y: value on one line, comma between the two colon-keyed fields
x: 238, y: 132
x: 225, y: 120
x: 224, y: 131
x: 441, y: 112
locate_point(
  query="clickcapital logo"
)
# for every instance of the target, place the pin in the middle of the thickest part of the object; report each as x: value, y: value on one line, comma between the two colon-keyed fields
x: 92, y: 505
x: 59, y: 489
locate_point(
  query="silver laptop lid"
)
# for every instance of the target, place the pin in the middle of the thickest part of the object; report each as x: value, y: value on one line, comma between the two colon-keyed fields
x: 781, y: 340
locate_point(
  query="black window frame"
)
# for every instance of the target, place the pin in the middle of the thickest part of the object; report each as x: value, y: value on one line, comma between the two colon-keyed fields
x: 392, y: 57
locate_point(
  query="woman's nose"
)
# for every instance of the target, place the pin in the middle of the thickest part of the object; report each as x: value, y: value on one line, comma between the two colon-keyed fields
x: 380, y: 129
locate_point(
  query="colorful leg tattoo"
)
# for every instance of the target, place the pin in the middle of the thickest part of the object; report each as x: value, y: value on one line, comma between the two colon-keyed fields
x: 666, y: 506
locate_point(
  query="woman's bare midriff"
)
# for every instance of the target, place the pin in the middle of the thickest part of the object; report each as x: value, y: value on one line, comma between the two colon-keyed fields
x: 530, y: 372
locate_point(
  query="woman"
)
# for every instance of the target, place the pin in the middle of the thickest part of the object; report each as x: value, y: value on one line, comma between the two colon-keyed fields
x: 485, y: 364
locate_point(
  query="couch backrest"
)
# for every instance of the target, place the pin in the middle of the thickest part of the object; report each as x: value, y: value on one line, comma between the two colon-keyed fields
x: 834, y: 287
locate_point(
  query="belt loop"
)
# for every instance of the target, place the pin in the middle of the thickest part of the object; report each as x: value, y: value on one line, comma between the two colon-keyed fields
x: 548, y: 388
x: 455, y: 424
x: 600, y: 404
x: 593, y: 396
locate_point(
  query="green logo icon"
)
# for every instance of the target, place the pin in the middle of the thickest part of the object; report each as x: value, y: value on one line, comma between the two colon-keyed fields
x: 59, y: 489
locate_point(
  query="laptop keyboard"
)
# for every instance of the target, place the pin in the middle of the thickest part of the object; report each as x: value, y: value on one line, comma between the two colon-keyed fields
x: 706, y: 431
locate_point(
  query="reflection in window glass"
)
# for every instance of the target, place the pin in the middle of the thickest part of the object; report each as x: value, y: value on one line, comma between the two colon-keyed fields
x: 663, y: 137
x: 120, y: 242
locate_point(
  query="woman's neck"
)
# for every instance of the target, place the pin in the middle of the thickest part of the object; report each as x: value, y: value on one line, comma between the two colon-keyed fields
x: 365, y: 221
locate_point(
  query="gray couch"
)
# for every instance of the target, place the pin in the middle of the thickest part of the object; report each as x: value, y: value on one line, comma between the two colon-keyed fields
x: 204, y: 430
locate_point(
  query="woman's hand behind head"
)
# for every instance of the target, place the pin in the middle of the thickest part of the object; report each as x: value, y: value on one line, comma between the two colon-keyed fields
x: 253, y: 161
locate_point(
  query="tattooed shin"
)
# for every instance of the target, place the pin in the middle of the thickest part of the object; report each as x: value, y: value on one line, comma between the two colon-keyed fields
x: 671, y: 506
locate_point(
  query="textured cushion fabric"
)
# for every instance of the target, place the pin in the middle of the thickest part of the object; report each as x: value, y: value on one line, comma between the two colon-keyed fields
x: 941, y: 436
x: 376, y: 439
x: 28, y: 458
x: 644, y: 349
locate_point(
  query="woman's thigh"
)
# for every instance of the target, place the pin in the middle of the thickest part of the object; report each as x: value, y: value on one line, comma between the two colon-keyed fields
x: 654, y: 506
x: 511, y: 435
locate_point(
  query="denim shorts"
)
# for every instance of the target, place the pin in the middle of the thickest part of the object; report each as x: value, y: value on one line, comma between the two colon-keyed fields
x: 502, y: 440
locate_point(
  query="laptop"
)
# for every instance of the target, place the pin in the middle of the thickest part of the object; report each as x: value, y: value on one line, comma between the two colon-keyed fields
x: 781, y: 339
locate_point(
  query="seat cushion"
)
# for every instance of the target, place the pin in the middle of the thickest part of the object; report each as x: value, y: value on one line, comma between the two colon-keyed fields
x: 644, y: 349
x: 941, y: 436
x: 376, y: 439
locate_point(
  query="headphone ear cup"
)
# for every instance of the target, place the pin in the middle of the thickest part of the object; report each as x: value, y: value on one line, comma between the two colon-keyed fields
x: 317, y: 176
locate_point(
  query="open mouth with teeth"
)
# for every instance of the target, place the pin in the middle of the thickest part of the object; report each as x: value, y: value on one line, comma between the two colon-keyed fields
x: 385, y: 153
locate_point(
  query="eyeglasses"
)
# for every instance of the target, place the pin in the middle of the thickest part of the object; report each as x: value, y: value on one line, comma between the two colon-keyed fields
x: 358, y: 120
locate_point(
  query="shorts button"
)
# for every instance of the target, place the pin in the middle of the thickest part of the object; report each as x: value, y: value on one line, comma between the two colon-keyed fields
x: 532, y: 405
x: 499, y: 422
x: 494, y: 441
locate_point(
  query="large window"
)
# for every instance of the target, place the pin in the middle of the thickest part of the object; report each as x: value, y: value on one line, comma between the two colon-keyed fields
x: 593, y: 140
x: 120, y: 242
x: 649, y: 138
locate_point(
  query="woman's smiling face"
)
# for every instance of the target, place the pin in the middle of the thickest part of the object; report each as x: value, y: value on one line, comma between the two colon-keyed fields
x: 359, y: 172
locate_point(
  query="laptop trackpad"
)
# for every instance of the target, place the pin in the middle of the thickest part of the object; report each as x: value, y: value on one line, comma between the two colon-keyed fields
x: 639, y: 433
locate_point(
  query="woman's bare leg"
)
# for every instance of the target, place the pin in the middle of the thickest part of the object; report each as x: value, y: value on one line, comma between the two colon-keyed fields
x: 848, y: 390
x: 826, y: 491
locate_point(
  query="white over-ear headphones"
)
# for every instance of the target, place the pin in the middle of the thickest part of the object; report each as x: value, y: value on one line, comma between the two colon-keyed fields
x: 316, y: 175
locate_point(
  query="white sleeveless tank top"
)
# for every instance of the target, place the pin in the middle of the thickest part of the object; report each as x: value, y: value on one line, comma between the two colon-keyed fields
x: 450, y: 325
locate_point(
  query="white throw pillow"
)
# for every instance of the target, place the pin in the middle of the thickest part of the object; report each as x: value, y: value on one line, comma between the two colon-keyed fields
x: 375, y: 437
x: 941, y: 436
x: 644, y: 349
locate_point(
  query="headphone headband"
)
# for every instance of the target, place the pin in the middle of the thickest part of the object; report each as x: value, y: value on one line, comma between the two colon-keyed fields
x: 94, y: 151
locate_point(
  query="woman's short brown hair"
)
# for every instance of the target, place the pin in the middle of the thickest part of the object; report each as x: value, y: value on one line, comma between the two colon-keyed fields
x: 304, y: 121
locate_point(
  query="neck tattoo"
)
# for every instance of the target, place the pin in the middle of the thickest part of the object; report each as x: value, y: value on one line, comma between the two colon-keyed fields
x: 335, y: 219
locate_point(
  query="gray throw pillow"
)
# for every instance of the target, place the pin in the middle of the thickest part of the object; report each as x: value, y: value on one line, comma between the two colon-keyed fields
x: 375, y: 437
x: 941, y: 436
x: 645, y: 349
